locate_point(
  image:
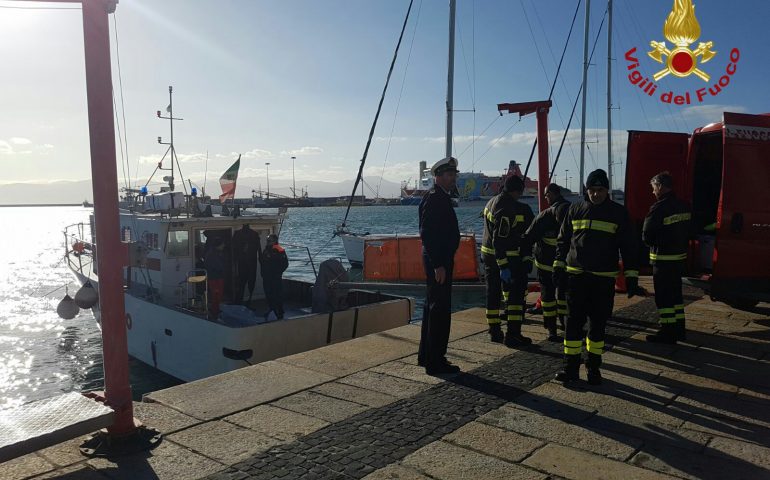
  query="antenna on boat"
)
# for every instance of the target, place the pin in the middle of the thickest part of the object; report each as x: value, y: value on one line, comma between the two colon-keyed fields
x: 170, y: 143
x: 450, y: 78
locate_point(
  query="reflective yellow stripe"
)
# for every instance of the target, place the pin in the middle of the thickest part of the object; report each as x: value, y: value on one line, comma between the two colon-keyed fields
x: 679, y: 316
x: 489, y: 215
x: 543, y: 267
x: 526, y: 259
x: 664, y: 311
x: 561, y: 302
x: 595, y: 347
x: 578, y: 270
x: 493, y: 312
x: 493, y: 321
x: 712, y: 227
x: 598, y: 225
x: 515, y: 318
x: 505, y: 296
x: 558, y: 264
x: 502, y: 261
x: 512, y: 253
x: 489, y: 250
x: 572, y: 347
x: 679, y: 307
x: 549, y: 241
x: 678, y: 256
x: 513, y: 308
x: 666, y: 320
x: 631, y: 273
x: 548, y: 304
x: 679, y: 217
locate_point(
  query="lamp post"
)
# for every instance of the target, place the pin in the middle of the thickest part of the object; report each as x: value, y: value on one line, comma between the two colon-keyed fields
x: 267, y: 174
x: 293, y: 183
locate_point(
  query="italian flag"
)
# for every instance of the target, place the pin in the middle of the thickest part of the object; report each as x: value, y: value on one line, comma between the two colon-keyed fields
x: 227, y: 181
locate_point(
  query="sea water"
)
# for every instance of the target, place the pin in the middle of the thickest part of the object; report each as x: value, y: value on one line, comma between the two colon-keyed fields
x: 42, y: 355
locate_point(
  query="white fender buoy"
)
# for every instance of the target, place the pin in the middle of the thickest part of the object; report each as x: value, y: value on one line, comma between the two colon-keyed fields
x: 67, y: 308
x: 86, y: 296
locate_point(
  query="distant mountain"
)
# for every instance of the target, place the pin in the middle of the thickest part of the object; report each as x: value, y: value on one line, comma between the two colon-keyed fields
x: 77, y: 191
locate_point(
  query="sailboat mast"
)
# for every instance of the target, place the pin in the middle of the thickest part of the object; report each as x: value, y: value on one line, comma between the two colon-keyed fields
x: 609, y: 95
x: 450, y: 78
x: 585, y: 85
x: 171, y: 120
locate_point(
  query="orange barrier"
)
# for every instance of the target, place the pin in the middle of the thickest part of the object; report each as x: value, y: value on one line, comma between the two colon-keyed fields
x: 400, y: 260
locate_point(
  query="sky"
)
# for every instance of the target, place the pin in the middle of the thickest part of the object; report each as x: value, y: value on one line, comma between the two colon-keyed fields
x: 272, y: 79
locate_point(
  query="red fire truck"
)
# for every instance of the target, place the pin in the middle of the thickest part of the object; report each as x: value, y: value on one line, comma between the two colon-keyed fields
x: 723, y: 171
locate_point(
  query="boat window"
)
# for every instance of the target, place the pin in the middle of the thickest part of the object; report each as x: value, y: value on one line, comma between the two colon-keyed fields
x: 178, y: 244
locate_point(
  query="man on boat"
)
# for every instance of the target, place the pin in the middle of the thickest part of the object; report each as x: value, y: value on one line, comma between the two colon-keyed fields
x: 507, y: 262
x: 274, y: 263
x: 667, y: 232
x: 542, y: 233
x: 587, y: 255
x: 246, y: 251
x: 440, y: 236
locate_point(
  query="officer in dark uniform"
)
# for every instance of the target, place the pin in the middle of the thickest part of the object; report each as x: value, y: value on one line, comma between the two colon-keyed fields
x: 543, y: 233
x: 587, y: 254
x: 440, y: 236
x: 274, y: 262
x: 247, y: 249
x: 667, y: 232
x: 507, y: 261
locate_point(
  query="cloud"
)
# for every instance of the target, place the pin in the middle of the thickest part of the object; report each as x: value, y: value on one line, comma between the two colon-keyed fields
x: 456, y: 138
x: 5, y: 148
x: 700, y: 115
x: 23, y: 146
x: 391, y: 139
x: 255, y: 154
x: 187, y: 158
x: 20, y: 141
x: 304, y: 151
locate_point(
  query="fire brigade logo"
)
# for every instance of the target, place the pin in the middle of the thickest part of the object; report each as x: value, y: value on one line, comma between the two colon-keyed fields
x: 682, y: 29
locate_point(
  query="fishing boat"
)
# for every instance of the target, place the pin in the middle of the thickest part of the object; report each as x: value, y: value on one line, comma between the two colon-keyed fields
x: 170, y: 322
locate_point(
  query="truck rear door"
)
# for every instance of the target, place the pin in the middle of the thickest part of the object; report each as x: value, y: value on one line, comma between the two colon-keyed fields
x: 648, y: 154
x: 742, y: 255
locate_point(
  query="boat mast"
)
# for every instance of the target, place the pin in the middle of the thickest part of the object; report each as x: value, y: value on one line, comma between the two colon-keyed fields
x: 585, y: 85
x: 609, y: 94
x: 450, y: 78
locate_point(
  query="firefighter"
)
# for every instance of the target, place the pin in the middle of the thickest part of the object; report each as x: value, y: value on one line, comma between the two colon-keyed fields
x: 440, y: 235
x: 542, y: 233
x: 507, y: 262
x: 587, y: 255
x: 666, y: 231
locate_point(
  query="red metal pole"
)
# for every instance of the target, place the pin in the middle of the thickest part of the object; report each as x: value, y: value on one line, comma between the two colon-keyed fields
x: 542, y: 156
x: 104, y: 175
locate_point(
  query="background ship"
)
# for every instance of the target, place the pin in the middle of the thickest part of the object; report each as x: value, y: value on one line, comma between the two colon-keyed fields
x: 471, y: 186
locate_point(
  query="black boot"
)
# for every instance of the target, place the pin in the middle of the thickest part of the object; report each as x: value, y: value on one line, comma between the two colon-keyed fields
x: 496, y: 333
x: 550, y: 325
x: 592, y: 367
x: 570, y: 371
x: 665, y: 334
x: 681, y: 332
x: 514, y: 338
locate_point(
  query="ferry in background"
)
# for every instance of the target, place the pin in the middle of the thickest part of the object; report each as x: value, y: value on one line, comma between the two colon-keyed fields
x: 472, y: 187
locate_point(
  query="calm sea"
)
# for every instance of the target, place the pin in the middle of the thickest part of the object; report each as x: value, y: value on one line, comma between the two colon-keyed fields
x: 42, y: 355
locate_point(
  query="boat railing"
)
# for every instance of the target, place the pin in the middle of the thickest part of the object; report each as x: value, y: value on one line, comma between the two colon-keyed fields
x: 309, y: 256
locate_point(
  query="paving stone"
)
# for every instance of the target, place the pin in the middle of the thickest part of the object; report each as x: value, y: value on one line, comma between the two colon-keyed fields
x: 320, y: 406
x: 279, y: 423
x: 63, y: 454
x: 24, y: 467
x: 166, y: 462
x: 397, y: 387
x: 363, y: 396
x: 552, y: 400
x: 719, y: 406
x: 72, y: 472
x: 736, y: 449
x: 725, y: 427
x: 246, y: 388
x: 696, y: 466
x: 480, y: 344
x: 164, y: 419
x: 444, y: 461
x: 493, y: 441
x: 617, y: 446
x: 396, y: 472
x: 407, y: 369
x: 577, y: 464
x: 223, y: 441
